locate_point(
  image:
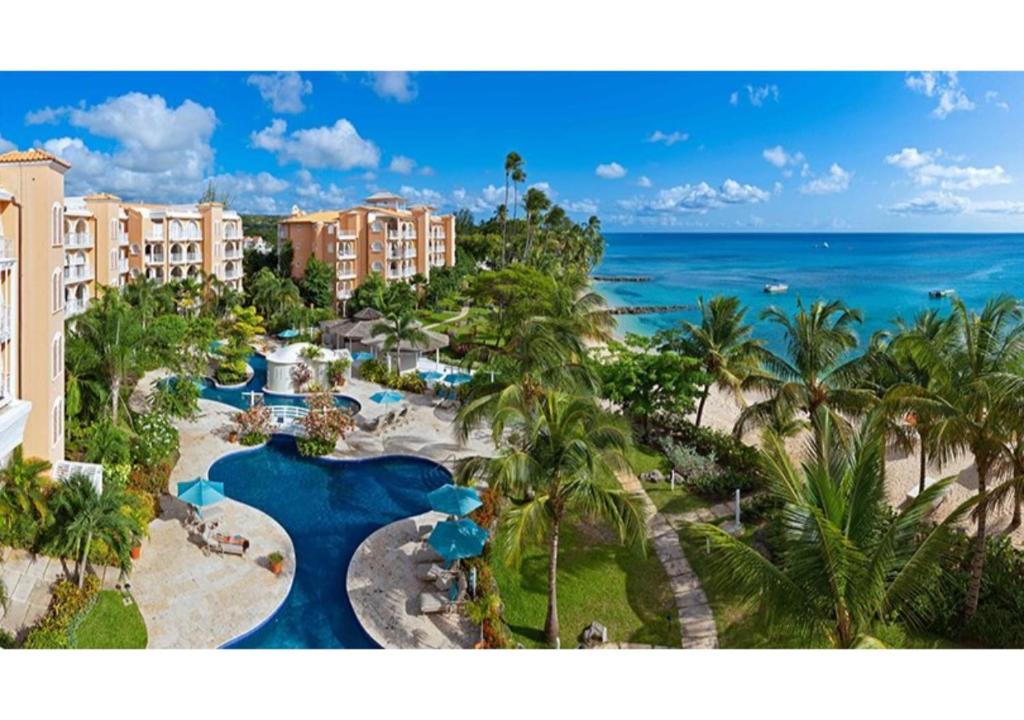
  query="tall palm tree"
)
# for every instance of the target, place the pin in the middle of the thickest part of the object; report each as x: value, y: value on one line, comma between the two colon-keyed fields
x: 847, y: 563
x: 83, y: 515
x: 518, y: 176
x: 398, y: 328
x: 22, y: 490
x: 973, y: 400
x: 535, y: 203
x: 563, y: 460
x: 513, y: 162
x: 722, y: 341
x: 112, y: 340
x: 816, y: 371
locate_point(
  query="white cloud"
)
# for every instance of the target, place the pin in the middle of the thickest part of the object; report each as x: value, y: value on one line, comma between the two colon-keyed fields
x: 422, y: 195
x: 999, y: 207
x: 836, y: 181
x: 992, y: 98
x: 699, y: 198
x: 926, y: 170
x: 610, y: 171
x: 778, y: 156
x: 494, y: 195
x: 669, y: 139
x: 644, y: 181
x: 5, y: 145
x: 311, y: 191
x: 943, y: 86
x: 282, y: 90
x: 545, y: 188
x: 401, y: 164
x: 734, y: 98
x: 46, y: 115
x: 398, y: 86
x: 758, y: 95
x: 426, y: 170
x: 585, y: 206
x: 941, y: 203
x: 338, y: 146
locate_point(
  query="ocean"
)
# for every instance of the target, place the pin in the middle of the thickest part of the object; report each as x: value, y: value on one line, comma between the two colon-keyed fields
x: 883, y: 274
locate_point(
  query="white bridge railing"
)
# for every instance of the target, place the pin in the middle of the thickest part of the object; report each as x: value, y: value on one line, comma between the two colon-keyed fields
x: 286, y: 416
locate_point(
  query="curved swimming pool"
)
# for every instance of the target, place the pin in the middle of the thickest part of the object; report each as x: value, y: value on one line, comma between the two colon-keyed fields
x: 328, y: 508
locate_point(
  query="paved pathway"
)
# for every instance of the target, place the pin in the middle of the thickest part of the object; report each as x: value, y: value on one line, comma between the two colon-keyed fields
x: 696, y: 621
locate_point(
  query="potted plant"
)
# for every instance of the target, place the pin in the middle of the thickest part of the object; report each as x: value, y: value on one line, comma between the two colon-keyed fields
x: 136, y: 552
x: 276, y: 562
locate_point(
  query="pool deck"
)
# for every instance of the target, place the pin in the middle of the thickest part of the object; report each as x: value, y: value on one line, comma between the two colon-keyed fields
x: 384, y: 588
x: 191, y: 600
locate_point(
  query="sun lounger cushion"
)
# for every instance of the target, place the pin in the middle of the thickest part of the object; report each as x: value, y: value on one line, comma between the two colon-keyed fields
x: 432, y: 602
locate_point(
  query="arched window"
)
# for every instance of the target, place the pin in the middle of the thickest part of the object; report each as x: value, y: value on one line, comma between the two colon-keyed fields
x: 57, y: 421
x: 57, y: 225
x: 56, y: 356
x: 175, y: 230
x: 57, y: 291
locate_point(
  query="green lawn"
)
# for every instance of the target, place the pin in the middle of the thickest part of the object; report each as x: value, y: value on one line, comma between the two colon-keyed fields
x: 644, y: 459
x: 111, y: 624
x: 674, y: 502
x: 598, y: 579
x: 433, y: 317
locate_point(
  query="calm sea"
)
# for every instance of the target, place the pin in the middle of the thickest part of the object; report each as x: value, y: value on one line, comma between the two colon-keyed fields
x: 885, y: 275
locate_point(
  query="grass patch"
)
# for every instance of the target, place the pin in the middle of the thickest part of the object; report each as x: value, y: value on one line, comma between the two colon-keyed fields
x: 598, y: 579
x: 674, y: 502
x: 112, y: 625
x: 433, y: 317
x: 645, y: 459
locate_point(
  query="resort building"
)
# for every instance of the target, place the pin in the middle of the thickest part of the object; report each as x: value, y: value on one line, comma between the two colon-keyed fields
x: 96, y: 248
x: 175, y: 242
x: 380, y: 236
x: 32, y: 303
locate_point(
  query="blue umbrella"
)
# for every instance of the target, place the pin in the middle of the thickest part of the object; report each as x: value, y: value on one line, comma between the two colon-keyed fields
x: 200, y: 492
x: 362, y: 355
x: 289, y: 333
x: 454, y: 500
x: 457, y: 378
x: 457, y: 539
x: 386, y: 397
x: 431, y: 375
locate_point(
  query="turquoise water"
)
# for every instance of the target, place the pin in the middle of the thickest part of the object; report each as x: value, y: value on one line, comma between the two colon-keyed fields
x: 328, y: 507
x: 884, y: 275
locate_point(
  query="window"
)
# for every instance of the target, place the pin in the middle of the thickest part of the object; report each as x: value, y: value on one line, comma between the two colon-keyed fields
x: 330, y: 229
x: 57, y: 291
x: 56, y: 356
x: 376, y: 227
x: 57, y: 225
x: 376, y: 266
x: 57, y: 421
x: 376, y: 247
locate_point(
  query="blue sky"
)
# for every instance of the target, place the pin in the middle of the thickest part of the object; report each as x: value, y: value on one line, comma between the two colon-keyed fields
x: 644, y: 151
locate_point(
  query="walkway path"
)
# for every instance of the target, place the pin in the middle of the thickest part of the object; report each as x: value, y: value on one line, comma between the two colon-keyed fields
x: 696, y: 621
x: 454, y: 318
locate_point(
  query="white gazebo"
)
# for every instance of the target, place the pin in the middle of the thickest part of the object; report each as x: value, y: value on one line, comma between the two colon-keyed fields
x: 282, y: 361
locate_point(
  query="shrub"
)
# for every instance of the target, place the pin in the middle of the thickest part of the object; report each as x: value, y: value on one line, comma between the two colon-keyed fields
x: 151, y: 479
x: 156, y: 439
x: 7, y: 641
x: 178, y: 397
x: 253, y: 425
x: 313, y: 447
x: 740, y: 464
x: 324, y: 425
x: 301, y: 375
x: 336, y: 371
x: 232, y: 372
x: 373, y: 371
x: 410, y: 382
x: 69, y: 605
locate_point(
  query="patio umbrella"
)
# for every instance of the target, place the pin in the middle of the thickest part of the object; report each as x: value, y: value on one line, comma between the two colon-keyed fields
x: 200, y: 492
x: 457, y: 378
x: 362, y: 355
x: 457, y: 539
x: 386, y: 397
x: 431, y: 375
x: 289, y: 333
x: 454, y: 500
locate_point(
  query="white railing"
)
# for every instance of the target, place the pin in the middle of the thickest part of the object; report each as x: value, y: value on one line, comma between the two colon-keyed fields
x: 344, y: 293
x: 5, y: 323
x: 233, y: 254
x: 177, y: 259
x: 346, y: 274
x: 5, y: 389
x: 78, y: 240
x: 154, y: 259
x: 122, y: 265
x: 78, y: 273
x: 410, y: 252
x: 232, y: 274
x: 194, y: 258
x: 122, y: 239
x: 75, y: 307
x: 283, y: 416
x: 439, y: 235
x: 6, y: 248
x: 346, y: 253
x: 392, y: 234
x: 154, y: 237
x: 346, y: 235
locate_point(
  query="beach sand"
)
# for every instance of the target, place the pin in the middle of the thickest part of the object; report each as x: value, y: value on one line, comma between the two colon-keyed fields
x: 901, y: 471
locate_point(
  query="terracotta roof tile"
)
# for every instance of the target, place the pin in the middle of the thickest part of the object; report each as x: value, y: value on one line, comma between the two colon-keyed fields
x: 33, y: 155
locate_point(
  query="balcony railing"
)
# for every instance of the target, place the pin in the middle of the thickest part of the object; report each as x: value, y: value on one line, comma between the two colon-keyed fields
x: 155, y: 237
x: 438, y: 235
x: 193, y: 258
x: 346, y: 235
x: 122, y: 239
x: 77, y: 274
x: 75, y: 307
x: 177, y: 259
x: 6, y: 249
x: 232, y: 274
x: 78, y: 240
x: 392, y: 234
x: 6, y: 393
x: 345, y: 274
x: 122, y: 266
x: 6, y: 326
x: 346, y: 253
x: 344, y: 293
x: 154, y: 259
x: 233, y: 254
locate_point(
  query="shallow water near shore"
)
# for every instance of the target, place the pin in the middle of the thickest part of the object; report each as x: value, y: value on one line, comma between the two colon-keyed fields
x: 883, y: 274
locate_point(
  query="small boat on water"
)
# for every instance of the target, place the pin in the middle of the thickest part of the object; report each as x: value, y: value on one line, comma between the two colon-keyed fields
x: 773, y: 288
x: 939, y: 294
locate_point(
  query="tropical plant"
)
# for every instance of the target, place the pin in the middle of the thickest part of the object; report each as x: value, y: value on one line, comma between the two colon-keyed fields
x: 337, y: 371
x: 399, y: 329
x: 253, y: 425
x: 816, y: 372
x: 558, y: 455
x: 324, y: 424
x: 847, y: 562
x: 723, y: 343
x: 301, y: 375
x: 83, y: 516
x: 535, y: 203
x: 23, y: 498
x: 318, y: 283
x: 513, y: 164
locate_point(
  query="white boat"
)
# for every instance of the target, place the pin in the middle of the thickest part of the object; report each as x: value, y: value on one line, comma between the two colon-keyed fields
x: 776, y: 287
x: 947, y: 292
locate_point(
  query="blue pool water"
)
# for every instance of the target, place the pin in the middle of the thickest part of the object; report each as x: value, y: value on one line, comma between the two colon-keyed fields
x: 883, y: 274
x: 328, y: 507
x: 237, y: 397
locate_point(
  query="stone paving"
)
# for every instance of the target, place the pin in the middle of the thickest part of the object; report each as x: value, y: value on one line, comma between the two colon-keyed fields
x: 696, y: 621
x: 384, y: 588
x: 28, y: 579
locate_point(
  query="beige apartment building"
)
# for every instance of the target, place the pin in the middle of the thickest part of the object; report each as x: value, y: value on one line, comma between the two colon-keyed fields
x: 32, y: 302
x: 96, y: 249
x: 380, y: 236
x: 175, y: 242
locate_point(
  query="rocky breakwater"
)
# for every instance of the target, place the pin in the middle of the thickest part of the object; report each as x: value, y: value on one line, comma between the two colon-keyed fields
x: 649, y: 309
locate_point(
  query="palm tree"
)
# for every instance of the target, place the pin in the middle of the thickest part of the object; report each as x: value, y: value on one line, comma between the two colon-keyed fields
x: 82, y: 515
x: 112, y: 340
x: 563, y: 460
x: 22, y: 490
x: 535, y: 203
x: 722, y: 342
x: 518, y: 176
x: 815, y: 373
x: 399, y: 328
x: 847, y: 563
x: 973, y: 400
x: 513, y: 162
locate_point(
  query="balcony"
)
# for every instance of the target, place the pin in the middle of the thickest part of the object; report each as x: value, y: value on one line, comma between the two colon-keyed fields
x: 155, y: 237
x: 77, y: 274
x: 178, y: 259
x: 6, y: 396
x: 75, y: 307
x: 122, y: 266
x: 233, y: 274
x: 410, y: 252
x: 346, y: 273
x: 344, y: 293
x: 155, y: 259
x: 346, y: 234
x: 346, y: 252
x: 392, y: 234
x: 78, y: 240
x: 122, y: 239
x: 192, y: 258
x: 438, y: 235
x: 394, y: 273
x: 6, y: 326
x: 234, y: 254
x: 6, y: 251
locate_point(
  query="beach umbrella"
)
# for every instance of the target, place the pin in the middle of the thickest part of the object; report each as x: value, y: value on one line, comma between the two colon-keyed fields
x: 431, y: 375
x: 386, y: 397
x: 457, y: 378
x: 200, y: 492
x: 362, y: 355
x: 289, y: 333
x: 457, y: 539
x: 454, y: 500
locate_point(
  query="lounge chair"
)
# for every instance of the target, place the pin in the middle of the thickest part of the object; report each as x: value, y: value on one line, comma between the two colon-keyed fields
x: 435, y: 572
x: 405, y: 411
x: 432, y: 603
x: 224, y: 544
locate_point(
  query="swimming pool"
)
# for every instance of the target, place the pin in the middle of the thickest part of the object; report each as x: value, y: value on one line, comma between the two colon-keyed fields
x: 237, y: 397
x: 328, y: 508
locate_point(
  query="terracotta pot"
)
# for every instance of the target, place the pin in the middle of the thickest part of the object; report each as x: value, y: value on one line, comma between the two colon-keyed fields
x: 136, y: 552
x: 276, y: 568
